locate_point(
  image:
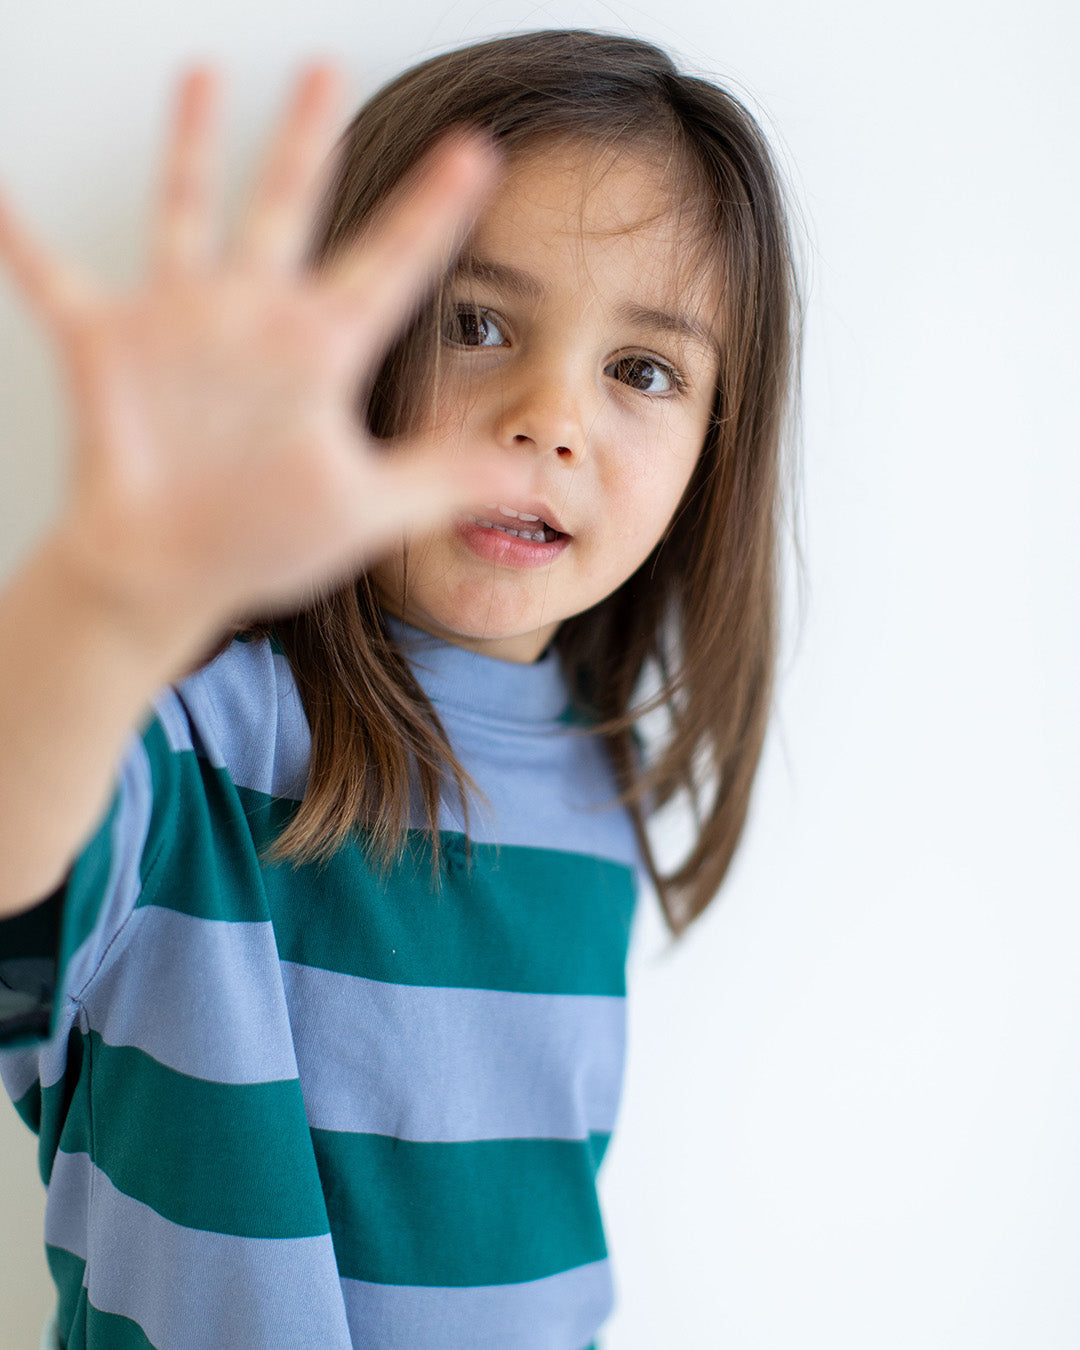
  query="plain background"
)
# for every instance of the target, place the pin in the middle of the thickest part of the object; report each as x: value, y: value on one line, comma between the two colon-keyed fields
x: 852, y: 1112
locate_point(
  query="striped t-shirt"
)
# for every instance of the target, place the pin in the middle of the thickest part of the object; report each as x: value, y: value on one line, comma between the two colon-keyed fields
x: 327, y: 1106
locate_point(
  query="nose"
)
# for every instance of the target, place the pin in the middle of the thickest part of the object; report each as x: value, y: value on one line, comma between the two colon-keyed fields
x: 546, y: 409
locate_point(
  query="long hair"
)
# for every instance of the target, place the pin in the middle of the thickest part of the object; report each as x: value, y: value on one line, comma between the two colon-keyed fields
x: 700, y: 615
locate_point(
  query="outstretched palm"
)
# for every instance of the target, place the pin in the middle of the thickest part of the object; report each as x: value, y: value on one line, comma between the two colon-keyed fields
x: 218, y: 466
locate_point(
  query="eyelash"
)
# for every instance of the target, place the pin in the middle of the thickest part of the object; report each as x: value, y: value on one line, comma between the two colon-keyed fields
x: 483, y: 315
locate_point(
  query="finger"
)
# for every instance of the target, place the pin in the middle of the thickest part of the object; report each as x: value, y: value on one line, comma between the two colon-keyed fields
x: 183, y: 238
x: 54, y: 288
x: 423, y: 488
x: 275, y: 231
x: 382, y: 277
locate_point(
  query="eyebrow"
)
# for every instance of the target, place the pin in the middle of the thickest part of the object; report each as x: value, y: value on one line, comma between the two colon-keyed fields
x: 524, y: 286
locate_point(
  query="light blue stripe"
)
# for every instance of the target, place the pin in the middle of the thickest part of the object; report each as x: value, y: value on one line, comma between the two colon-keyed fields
x: 48, y: 1061
x: 572, y: 814
x: 251, y: 722
x: 201, y: 996
x: 506, y: 728
x: 68, y: 1202
x: 124, y: 882
x: 208, y: 998
x: 190, y: 1290
x: 50, y: 1335
x: 561, y: 1312
x: 444, y: 1065
x: 123, y: 885
x: 251, y: 719
x: 19, y: 1071
x: 52, y: 1054
x: 169, y: 711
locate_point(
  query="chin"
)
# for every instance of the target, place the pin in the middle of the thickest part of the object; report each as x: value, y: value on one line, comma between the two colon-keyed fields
x: 484, y: 615
x: 537, y: 634
x: 510, y: 636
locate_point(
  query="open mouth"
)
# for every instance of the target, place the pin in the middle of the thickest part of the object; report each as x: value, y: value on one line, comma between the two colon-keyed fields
x: 519, y: 524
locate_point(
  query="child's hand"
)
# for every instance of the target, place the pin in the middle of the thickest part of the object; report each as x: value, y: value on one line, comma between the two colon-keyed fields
x: 218, y: 464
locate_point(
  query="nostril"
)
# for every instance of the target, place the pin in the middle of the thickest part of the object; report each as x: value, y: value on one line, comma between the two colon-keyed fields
x: 563, y: 450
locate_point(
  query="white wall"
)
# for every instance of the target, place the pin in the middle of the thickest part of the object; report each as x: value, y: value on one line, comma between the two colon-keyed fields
x: 853, y: 1105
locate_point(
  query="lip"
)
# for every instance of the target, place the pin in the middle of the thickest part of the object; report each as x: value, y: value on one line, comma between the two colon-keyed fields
x: 532, y: 508
x: 506, y: 550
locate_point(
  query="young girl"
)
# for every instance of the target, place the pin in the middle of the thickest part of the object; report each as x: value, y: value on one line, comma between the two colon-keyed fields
x: 318, y: 702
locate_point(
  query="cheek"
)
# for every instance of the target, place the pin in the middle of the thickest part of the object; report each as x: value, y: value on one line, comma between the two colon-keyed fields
x: 640, y: 518
x: 452, y: 400
x: 388, y: 574
x: 647, y: 500
x: 650, y: 485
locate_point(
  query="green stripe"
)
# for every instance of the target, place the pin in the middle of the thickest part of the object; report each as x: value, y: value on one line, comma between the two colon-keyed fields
x: 53, y: 931
x: 599, y: 1148
x: 29, y: 1106
x: 272, y: 638
x: 196, y: 820
x: 179, y: 826
x: 80, y: 1323
x: 200, y: 831
x: 86, y: 887
x: 531, y: 920
x: 67, y: 1271
x: 484, y: 1212
x: 525, y: 919
x: 202, y: 1154
x: 89, y: 876
x: 62, y: 1110
x: 109, y: 1330
x: 57, y: 928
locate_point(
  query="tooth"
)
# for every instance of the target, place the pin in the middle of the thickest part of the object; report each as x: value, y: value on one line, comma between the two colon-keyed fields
x: 508, y: 511
x: 523, y: 516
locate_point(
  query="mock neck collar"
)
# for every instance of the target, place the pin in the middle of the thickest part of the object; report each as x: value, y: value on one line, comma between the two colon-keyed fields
x: 456, y: 677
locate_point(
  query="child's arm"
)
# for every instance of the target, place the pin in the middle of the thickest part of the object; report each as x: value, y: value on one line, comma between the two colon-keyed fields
x: 75, y: 676
x: 218, y: 466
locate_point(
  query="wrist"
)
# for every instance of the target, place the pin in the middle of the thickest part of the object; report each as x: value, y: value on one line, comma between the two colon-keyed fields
x: 158, y: 638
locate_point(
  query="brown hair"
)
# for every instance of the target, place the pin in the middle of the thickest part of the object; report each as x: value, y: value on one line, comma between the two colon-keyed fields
x: 701, y: 613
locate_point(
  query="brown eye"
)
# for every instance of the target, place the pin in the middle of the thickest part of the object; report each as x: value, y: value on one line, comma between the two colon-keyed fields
x: 639, y: 372
x: 469, y: 326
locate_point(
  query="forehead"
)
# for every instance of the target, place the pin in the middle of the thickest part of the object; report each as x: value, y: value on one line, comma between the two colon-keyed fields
x: 604, y: 216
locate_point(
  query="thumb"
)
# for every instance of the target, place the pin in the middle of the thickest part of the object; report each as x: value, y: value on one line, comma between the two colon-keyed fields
x: 424, y: 488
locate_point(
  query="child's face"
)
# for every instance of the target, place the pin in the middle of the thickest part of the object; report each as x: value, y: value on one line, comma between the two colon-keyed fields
x: 574, y: 343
